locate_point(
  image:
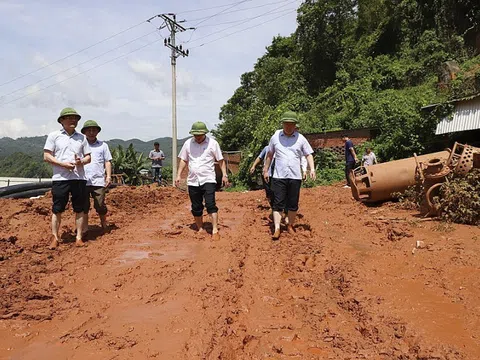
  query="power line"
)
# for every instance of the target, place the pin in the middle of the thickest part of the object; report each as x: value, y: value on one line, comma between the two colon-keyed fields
x: 83, y: 72
x: 211, y: 8
x: 239, y: 31
x: 220, y: 12
x: 75, y: 53
x: 247, y: 20
x: 80, y: 64
x: 243, y: 9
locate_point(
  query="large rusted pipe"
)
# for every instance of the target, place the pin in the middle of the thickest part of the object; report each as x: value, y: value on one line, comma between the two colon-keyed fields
x: 378, y: 182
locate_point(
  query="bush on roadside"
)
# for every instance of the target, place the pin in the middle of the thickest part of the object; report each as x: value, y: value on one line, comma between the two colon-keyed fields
x: 459, y: 199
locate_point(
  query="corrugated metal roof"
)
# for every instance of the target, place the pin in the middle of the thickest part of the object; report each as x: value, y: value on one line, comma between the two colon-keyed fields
x: 466, y: 116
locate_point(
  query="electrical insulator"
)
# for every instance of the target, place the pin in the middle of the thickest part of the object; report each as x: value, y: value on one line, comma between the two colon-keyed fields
x: 165, y: 42
x: 187, y: 52
x: 180, y: 47
x: 168, y: 41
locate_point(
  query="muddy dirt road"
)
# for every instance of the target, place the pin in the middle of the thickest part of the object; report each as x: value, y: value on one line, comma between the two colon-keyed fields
x: 348, y: 285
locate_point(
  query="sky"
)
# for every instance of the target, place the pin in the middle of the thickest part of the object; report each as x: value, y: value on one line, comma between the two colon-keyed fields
x: 47, y: 62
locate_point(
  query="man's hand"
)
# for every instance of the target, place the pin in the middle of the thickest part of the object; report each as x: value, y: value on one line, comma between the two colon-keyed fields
x: 68, y: 165
x: 252, y: 170
x: 313, y: 174
x: 108, y: 181
x: 78, y: 161
x: 177, y: 180
x: 225, y: 180
x: 265, y: 175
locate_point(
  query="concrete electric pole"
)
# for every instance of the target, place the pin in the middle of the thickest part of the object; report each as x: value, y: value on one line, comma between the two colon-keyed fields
x: 174, y: 27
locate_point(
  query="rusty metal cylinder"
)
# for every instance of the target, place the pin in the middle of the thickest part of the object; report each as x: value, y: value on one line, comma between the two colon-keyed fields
x: 378, y: 182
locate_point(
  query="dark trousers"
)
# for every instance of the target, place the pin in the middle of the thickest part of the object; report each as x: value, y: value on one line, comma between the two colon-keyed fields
x: 198, y: 194
x: 349, y: 165
x: 97, y: 193
x: 157, y: 174
x: 61, y: 192
x: 268, y: 190
x: 286, y: 194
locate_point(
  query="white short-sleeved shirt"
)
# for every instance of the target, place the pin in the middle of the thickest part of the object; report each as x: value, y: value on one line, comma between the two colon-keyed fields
x: 156, y: 163
x: 95, y: 170
x: 288, y: 152
x: 64, y: 147
x: 369, y: 159
x: 201, y: 160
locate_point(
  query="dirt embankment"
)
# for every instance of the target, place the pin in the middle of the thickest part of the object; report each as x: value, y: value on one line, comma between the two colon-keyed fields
x: 351, y: 283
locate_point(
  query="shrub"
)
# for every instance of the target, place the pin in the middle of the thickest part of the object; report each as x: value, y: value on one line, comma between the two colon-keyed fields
x: 459, y: 199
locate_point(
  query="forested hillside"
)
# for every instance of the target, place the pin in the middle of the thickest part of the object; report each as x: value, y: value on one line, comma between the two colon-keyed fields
x: 23, y: 157
x: 365, y: 63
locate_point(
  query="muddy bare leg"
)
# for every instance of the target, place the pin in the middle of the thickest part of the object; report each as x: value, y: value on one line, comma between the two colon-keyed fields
x: 199, y: 223
x: 79, y: 221
x: 56, y: 221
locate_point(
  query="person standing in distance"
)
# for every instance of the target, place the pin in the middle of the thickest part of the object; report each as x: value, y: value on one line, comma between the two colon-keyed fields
x: 157, y: 156
x: 98, y: 172
x: 200, y: 153
x: 288, y: 147
x: 369, y: 158
x: 350, y: 158
x: 68, y: 152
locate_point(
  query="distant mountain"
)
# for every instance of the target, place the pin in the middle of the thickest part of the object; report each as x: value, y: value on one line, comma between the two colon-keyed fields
x: 12, y: 163
x: 146, y: 146
x: 32, y: 146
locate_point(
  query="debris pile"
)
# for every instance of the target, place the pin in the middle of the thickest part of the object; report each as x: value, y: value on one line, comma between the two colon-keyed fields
x: 427, y: 172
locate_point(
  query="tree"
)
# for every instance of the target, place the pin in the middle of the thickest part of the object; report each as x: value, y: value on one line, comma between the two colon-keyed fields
x: 129, y: 163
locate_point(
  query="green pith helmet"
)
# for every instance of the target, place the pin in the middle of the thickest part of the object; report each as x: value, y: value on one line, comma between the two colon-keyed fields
x: 90, y: 123
x: 68, y: 111
x: 198, y: 128
x: 290, y: 117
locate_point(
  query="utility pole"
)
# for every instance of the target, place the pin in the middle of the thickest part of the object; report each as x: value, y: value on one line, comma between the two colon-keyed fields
x: 174, y: 27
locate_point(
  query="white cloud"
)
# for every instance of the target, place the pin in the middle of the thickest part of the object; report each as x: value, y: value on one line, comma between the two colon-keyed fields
x: 158, y: 75
x: 130, y: 96
x: 13, y: 128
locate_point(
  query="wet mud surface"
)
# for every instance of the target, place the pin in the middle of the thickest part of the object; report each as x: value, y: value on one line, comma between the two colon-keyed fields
x: 350, y: 284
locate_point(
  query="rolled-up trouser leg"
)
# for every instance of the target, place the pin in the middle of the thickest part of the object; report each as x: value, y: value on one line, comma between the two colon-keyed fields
x: 196, y: 198
x: 209, y: 194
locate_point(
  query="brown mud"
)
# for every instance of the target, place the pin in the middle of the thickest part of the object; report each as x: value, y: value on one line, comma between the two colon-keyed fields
x: 350, y: 284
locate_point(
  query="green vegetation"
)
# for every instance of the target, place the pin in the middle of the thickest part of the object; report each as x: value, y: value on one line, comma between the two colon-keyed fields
x: 22, y: 165
x: 25, y: 155
x: 129, y: 162
x: 352, y: 64
x: 459, y: 199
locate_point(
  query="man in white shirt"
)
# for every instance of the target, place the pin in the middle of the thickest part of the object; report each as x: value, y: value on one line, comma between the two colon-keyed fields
x: 288, y: 147
x: 369, y: 158
x: 157, y: 156
x: 200, y: 153
x: 68, y: 152
x: 98, y: 172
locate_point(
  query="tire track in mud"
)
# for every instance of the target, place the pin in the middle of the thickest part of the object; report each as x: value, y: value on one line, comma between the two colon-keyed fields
x: 153, y: 288
x: 300, y: 297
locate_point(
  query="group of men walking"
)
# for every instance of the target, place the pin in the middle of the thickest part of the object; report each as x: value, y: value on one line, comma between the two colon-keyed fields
x: 81, y: 169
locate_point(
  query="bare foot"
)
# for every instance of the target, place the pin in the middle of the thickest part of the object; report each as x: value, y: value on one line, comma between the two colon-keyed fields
x: 54, y: 244
x: 79, y: 243
x: 290, y: 229
x: 215, y: 236
x: 200, y: 231
x: 276, y: 235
